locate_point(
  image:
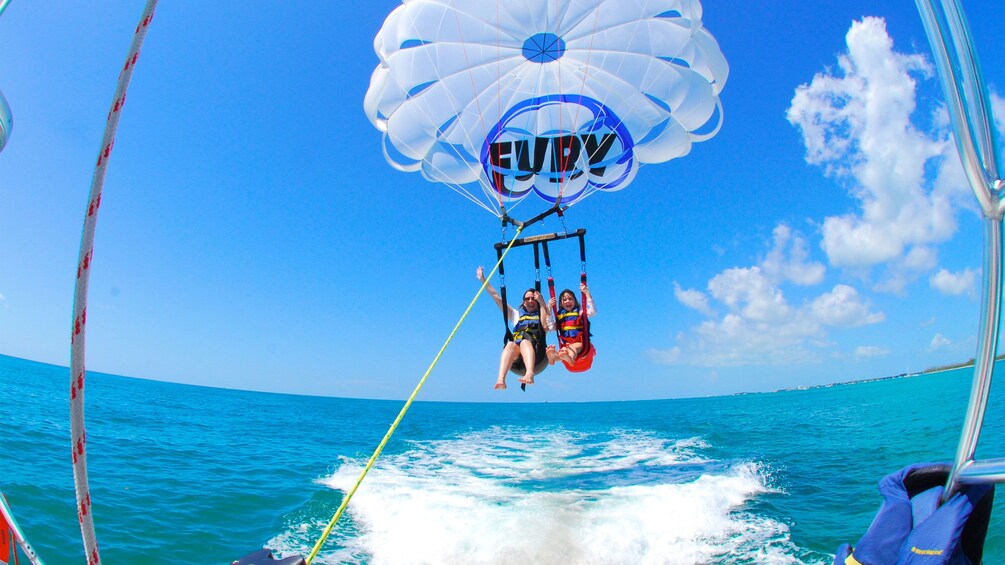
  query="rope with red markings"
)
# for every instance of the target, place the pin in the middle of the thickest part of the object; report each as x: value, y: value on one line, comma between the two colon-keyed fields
x: 78, y: 436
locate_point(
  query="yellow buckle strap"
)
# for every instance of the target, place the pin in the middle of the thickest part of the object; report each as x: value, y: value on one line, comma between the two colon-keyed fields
x: 850, y: 560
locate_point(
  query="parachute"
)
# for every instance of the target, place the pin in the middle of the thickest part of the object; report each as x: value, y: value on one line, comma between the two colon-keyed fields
x: 6, y: 121
x: 557, y: 99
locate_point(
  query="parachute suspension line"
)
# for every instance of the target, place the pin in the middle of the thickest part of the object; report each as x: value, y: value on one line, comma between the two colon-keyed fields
x: 561, y: 157
x: 457, y: 188
x: 394, y: 425
x: 77, y: 340
x: 7, y: 515
x: 582, y: 90
x: 471, y: 197
x: 499, y: 111
x: 499, y: 104
x: 474, y: 87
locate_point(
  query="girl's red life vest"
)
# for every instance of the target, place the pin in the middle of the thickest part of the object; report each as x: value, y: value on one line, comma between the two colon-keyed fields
x: 570, y: 324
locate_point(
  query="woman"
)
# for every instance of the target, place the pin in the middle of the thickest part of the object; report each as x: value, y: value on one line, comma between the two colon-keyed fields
x: 530, y: 321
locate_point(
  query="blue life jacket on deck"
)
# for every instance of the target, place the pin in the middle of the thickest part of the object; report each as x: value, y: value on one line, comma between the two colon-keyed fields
x: 912, y: 528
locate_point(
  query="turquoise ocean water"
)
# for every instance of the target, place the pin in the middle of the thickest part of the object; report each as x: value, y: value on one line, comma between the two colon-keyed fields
x: 184, y: 474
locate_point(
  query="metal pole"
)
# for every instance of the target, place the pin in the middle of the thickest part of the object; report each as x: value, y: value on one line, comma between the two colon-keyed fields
x: 969, y: 111
x: 984, y: 361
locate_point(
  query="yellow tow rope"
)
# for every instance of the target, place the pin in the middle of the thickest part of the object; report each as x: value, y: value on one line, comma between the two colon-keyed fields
x: 408, y: 403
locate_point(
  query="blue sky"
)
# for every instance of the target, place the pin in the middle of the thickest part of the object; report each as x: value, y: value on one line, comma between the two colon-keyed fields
x: 252, y: 236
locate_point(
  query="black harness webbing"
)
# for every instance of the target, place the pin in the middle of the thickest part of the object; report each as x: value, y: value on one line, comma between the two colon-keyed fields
x: 536, y: 241
x: 541, y: 241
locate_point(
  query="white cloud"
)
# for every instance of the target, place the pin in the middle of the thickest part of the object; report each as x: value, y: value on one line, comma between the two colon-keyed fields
x: 937, y: 342
x: 856, y: 124
x: 748, y: 292
x: 842, y: 307
x: 870, y: 351
x: 670, y: 356
x: 955, y: 284
x: 760, y: 326
x: 998, y: 111
x: 795, y: 268
x: 735, y: 340
x: 754, y: 291
x: 693, y: 299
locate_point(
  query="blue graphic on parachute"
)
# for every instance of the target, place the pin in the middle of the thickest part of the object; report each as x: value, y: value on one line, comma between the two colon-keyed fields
x: 597, y: 154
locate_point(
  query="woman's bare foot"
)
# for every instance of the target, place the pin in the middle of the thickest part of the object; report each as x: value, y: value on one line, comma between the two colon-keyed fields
x: 500, y: 385
x: 528, y: 380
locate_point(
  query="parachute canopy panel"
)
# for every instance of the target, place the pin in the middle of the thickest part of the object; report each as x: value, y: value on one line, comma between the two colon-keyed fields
x: 6, y: 121
x: 559, y: 99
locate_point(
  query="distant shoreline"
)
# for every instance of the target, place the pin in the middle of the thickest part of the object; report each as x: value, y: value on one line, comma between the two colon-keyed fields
x: 929, y: 371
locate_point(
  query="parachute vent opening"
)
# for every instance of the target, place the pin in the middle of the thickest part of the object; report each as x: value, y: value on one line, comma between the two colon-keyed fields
x: 543, y: 48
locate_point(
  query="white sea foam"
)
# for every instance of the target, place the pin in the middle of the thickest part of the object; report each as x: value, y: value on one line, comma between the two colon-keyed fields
x: 522, y: 495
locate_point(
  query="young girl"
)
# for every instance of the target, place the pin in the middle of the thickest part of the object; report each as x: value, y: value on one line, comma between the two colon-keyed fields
x: 570, y: 325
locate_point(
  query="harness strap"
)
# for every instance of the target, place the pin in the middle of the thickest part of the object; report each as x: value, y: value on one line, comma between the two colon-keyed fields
x: 551, y: 292
x: 583, y: 321
x: 584, y: 317
x: 508, y: 337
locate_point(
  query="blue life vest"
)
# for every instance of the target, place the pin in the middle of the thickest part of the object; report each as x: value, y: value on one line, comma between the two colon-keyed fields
x: 528, y: 324
x: 913, y: 528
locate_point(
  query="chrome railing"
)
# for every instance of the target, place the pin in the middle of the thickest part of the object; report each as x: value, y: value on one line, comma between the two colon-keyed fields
x: 970, y: 115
